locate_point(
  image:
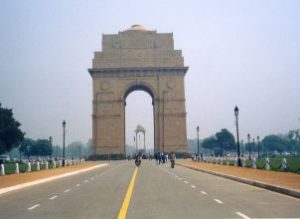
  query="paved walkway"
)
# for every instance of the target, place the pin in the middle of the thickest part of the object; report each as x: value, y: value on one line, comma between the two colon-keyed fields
x: 281, y: 179
x: 15, y: 179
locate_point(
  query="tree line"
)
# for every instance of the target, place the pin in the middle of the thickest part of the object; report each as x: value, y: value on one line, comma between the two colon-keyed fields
x: 13, y: 141
x: 223, y: 142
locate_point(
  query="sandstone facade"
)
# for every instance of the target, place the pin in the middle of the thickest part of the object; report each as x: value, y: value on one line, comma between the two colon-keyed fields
x: 138, y: 59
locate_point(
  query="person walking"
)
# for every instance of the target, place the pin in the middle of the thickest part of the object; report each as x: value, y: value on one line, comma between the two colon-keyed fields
x: 172, y: 159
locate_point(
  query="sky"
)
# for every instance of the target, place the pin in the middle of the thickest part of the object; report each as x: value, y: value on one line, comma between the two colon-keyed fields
x: 244, y: 53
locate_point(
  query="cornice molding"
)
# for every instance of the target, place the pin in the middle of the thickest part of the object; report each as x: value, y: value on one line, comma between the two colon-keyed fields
x: 144, y: 71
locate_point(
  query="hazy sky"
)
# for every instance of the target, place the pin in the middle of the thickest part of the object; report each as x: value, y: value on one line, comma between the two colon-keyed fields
x: 244, y: 53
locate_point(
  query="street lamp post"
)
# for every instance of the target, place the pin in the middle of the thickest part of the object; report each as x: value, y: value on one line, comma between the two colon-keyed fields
x: 198, y: 145
x: 134, y: 144
x: 236, y: 113
x: 249, y: 148
x: 258, y: 146
x: 253, y: 142
x: 242, y: 148
x: 50, y: 140
x: 64, y: 141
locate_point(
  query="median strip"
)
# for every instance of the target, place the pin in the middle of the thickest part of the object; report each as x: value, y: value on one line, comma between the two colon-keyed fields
x: 125, y: 205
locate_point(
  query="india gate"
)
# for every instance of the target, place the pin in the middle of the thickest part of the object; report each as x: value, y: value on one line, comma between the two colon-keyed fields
x: 138, y: 59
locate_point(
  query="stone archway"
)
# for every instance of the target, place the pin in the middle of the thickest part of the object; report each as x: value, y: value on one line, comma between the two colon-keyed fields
x: 138, y: 59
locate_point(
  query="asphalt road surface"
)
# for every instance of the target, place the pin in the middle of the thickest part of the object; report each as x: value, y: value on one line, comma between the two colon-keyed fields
x: 157, y: 192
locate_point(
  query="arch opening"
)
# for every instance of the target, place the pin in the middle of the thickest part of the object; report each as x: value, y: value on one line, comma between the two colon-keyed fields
x: 139, y: 121
x: 139, y: 87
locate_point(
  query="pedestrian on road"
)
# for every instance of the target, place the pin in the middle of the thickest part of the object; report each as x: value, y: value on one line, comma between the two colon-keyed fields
x: 172, y: 159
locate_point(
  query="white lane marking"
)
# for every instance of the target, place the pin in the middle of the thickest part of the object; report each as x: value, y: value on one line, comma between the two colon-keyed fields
x: 34, y: 206
x: 176, y: 176
x: 180, y: 178
x: 193, y: 186
x: 242, y: 215
x: 203, y: 192
x: 67, y: 190
x: 218, y: 201
x: 39, y: 181
x: 85, y: 181
x: 92, y: 178
x: 78, y: 185
x: 53, y: 197
x: 185, y: 181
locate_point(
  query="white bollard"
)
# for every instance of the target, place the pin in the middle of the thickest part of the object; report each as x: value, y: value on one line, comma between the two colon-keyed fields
x: 28, y: 166
x: 17, y: 171
x: 243, y: 162
x: 2, y: 173
x: 267, y: 164
x: 283, y: 164
x: 38, y: 167
x: 54, y: 164
x: 254, y: 163
x: 46, y: 165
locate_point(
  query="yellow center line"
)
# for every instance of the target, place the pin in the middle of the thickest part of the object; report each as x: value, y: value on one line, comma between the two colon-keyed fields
x: 125, y: 205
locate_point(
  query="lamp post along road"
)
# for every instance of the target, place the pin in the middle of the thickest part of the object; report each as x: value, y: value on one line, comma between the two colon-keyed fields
x: 198, y: 145
x: 50, y: 140
x: 258, y: 146
x: 249, y: 148
x: 253, y: 142
x: 135, y: 144
x: 64, y: 141
x: 236, y: 113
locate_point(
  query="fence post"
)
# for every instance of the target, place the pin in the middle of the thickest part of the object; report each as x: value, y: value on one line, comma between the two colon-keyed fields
x: 2, y: 170
x: 17, y: 171
x: 46, y: 165
x: 243, y: 162
x: 38, y: 167
x: 54, y: 164
x: 283, y: 164
x: 254, y: 163
x: 28, y: 166
x: 267, y: 164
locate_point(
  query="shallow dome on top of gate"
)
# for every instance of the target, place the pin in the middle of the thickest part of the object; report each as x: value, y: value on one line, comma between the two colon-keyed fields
x: 138, y: 27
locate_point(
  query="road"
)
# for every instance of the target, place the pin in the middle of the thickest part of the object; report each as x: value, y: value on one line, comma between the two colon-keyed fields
x: 158, y: 192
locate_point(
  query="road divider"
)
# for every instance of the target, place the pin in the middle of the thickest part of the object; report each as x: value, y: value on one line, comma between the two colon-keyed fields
x: 125, y: 205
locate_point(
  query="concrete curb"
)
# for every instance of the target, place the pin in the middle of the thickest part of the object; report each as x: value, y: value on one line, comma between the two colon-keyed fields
x: 39, y: 181
x: 282, y: 190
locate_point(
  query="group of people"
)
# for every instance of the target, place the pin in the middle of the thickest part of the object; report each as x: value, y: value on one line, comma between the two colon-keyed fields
x: 161, y: 158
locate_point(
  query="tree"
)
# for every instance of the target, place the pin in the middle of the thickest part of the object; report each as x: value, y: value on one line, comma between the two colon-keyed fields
x: 75, y: 149
x: 10, y: 133
x: 225, y: 140
x: 25, y: 146
x: 275, y: 143
x: 88, y: 150
x: 211, y: 143
x: 42, y: 147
